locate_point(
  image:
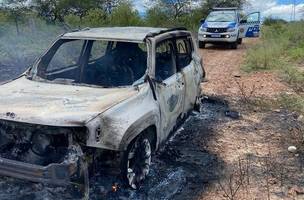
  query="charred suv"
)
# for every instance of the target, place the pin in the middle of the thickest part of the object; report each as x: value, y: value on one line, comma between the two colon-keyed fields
x: 98, y: 97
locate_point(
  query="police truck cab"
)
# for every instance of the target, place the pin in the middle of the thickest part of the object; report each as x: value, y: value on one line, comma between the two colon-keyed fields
x: 225, y: 25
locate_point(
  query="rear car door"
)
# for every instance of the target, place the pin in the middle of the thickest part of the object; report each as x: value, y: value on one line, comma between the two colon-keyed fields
x: 250, y: 25
x: 169, y: 86
x: 188, y: 66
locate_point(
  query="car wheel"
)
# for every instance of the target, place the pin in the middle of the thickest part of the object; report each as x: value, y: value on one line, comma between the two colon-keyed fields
x: 201, y: 45
x: 240, y: 41
x: 137, y: 161
x: 234, y: 45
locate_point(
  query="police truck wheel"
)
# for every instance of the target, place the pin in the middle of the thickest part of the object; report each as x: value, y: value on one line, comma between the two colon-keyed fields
x: 234, y: 45
x: 201, y: 45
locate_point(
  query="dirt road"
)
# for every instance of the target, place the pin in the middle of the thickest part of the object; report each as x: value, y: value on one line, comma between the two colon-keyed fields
x: 212, y: 156
x: 253, y: 148
x: 224, y: 74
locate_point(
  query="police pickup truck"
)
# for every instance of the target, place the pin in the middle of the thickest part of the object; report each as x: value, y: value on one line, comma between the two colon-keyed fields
x: 225, y: 25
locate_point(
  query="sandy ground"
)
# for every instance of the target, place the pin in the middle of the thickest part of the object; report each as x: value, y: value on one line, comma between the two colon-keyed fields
x: 224, y: 74
x: 254, y: 147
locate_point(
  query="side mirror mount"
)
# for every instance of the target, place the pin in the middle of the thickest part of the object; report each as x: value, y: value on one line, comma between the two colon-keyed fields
x: 202, y: 21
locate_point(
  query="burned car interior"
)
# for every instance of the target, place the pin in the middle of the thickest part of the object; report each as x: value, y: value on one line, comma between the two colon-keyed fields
x: 100, y: 63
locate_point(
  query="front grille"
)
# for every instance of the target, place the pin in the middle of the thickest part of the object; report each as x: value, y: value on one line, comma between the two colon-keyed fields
x: 217, y: 30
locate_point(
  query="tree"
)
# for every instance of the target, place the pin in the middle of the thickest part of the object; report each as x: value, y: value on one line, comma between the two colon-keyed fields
x: 156, y: 16
x: 174, y: 8
x: 209, y: 4
x: 15, y: 10
x: 125, y: 15
x: 57, y: 10
x: 51, y: 10
x: 109, y: 5
x: 77, y: 7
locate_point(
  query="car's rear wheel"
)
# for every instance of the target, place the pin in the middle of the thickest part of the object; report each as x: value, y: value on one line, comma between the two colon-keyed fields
x: 137, y: 160
x: 201, y: 44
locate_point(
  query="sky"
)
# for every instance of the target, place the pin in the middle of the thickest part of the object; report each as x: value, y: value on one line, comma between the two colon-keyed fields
x: 274, y: 8
x: 277, y: 8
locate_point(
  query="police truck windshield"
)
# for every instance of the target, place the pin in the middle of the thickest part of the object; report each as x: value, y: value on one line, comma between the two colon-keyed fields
x: 221, y: 16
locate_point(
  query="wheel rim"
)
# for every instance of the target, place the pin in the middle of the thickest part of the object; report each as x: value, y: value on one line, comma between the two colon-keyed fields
x: 139, y: 161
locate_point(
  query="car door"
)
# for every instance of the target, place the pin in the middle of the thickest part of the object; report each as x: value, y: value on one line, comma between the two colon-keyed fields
x: 188, y: 67
x: 169, y: 86
x: 250, y: 25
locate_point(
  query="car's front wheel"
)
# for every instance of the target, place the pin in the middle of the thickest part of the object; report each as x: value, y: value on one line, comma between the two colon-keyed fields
x: 201, y: 45
x: 234, y: 45
x: 137, y: 160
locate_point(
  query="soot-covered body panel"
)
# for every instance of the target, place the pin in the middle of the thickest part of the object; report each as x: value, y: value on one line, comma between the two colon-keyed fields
x: 54, y: 123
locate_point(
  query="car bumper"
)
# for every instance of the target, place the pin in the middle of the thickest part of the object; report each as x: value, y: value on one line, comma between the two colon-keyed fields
x: 58, y: 174
x: 222, y: 37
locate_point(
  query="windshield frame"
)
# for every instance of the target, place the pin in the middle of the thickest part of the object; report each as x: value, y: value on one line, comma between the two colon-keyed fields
x: 222, y: 12
x: 33, y: 72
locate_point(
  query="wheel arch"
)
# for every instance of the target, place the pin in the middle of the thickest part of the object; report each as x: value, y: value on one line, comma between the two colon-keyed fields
x: 144, y: 126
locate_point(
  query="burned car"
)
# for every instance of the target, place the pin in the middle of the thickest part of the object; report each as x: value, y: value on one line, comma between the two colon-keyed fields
x: 95, y: 97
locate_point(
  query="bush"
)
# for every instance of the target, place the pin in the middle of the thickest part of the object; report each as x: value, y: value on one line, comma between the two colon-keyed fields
x: 96, y: 18
x: 278, y: 41
x: 125, y: 15
x: 271, y: 21
x: 156, y: 17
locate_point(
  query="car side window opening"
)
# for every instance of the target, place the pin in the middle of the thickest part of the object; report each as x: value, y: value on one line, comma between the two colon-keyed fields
x: 184, y: 52
x: 165, y: 65
x: 101, y: 63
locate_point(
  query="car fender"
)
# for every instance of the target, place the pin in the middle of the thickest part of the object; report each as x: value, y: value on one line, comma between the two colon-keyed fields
x: 114, y: 128
x: 148, y: 120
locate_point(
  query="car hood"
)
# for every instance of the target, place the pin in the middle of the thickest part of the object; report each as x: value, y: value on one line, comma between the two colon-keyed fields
x: 27, y: 101
x: 219, y: 24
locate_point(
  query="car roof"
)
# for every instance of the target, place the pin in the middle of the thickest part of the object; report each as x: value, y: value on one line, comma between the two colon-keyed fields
x: 130, y: 34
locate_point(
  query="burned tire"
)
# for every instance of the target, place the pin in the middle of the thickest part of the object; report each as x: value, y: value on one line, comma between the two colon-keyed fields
x: 136, y: 161
x: 201, y: 44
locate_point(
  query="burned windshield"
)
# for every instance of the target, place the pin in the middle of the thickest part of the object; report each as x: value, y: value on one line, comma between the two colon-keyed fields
x: 221, y: 16
x: 101, y: 63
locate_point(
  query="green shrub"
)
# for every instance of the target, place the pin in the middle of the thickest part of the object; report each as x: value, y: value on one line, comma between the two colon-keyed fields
x: 125, y: 15
x: 297, y: 53
x: 278, y: 41
x: 291, y: 103
x: 96, y: 18
x: 156, y: 17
